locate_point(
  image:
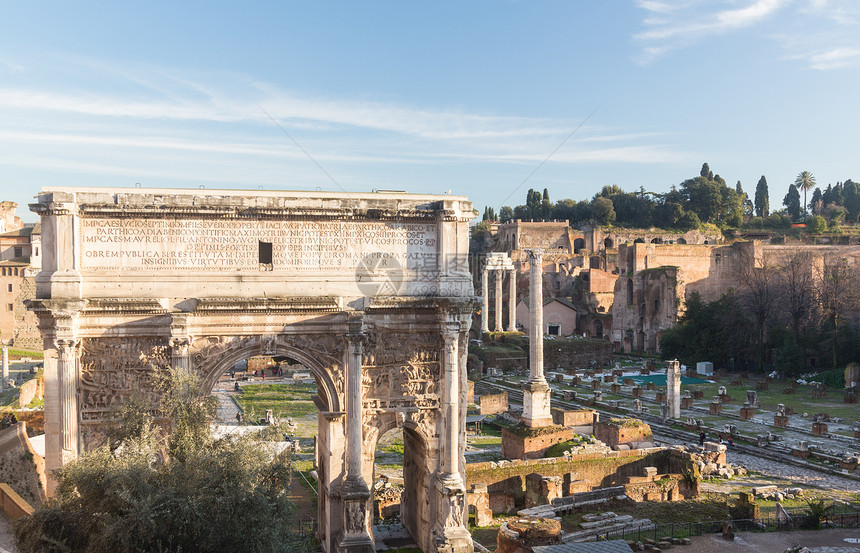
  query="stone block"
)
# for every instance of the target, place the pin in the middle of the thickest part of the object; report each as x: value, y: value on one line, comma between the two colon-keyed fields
x: 686, y: 403
x: 747, y: 413
x: 780, y: 421
x: 716, y: 408
x: 637, y: 392
x: 763, y: 385
x: 819, y: 428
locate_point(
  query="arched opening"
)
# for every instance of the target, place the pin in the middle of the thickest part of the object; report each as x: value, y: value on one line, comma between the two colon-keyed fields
x: 598, y: 329
x: 682, y: 240
x: 399, y: 453
x: 657, y: 241
x: 639, y: 241
x: 608, y: 243
x: 316, y: 405
x: 578, y: 245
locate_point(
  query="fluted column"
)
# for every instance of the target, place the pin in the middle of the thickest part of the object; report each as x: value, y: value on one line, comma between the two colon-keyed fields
x: 512, y: 300
x: 449, y: 531
x: 450, y: 401
x: 485, y: 312
x: 354, y: 437
x: 67, y: 376
x: 179, y: 353
x: 498, y: 315
x: 355, y: 492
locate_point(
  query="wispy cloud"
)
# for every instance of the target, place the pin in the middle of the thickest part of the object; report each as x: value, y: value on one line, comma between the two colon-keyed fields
x: 822, y: 32
x: 153, y: 113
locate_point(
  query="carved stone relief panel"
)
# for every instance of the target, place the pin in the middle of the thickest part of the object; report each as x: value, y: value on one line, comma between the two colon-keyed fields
x: 112, y: 369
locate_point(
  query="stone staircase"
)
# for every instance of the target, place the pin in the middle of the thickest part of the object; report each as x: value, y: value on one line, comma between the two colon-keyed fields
x: 603, y: 523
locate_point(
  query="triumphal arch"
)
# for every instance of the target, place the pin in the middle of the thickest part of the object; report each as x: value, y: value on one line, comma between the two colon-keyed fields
x: 371, y: 292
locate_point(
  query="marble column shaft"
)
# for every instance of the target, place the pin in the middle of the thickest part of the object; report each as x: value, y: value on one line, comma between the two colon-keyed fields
x: 536, y: 315
x: 512, y: 300
x: 67, y: 379
x: 498, y: 275
x: 450, y: 404
x: 485, y: 312
x: 354, y: 438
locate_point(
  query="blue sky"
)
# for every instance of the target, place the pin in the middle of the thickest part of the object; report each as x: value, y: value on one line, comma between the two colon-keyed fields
x: 470, y: 96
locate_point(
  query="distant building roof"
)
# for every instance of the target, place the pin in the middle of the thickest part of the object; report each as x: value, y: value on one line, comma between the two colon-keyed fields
x: 564, y: 301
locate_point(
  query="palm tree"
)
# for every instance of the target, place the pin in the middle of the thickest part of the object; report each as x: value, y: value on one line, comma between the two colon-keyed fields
x: 804, y: 181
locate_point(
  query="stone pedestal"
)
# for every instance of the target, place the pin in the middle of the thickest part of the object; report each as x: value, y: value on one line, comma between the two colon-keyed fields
x: 747, y: 412
x: 780, y: 421
x: 650, y: 386
x: 764, y: 385
x: 849, y: 397
x: 716, y: 408
x: 660, y: 397
x: 595, y: 384
x: 637, y: 392
x: 819, y: 428
x: 686, y: 403
x: 450, y: 535
x: 536, y: 404
x: 576, y: 380
x: 725, y: 398
x: 819, y: 393
x: 698, y: 394
x: 615, y: 388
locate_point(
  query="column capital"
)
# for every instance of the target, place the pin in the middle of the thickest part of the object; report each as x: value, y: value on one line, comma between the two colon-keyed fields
x: 535, y: 255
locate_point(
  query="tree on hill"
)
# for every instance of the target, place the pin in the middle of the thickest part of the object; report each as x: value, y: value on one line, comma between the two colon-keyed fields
x: 851, y: 192
x: 816, y: 203
x: 792, y: 202
x: 762, y: 203
x: 804, y: 181
x: 603, y: 211
x: 506, y: 214
x: 705, y: 171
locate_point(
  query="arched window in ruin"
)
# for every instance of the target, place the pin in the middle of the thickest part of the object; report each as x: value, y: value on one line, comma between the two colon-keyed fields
x: 682, y: 240
x: 639, y: 241
x: 608, y: 243
x: 657, y: 241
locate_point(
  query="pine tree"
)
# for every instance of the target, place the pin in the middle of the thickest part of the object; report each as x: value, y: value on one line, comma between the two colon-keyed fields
x: 705, y: 170
x: 792, y: 202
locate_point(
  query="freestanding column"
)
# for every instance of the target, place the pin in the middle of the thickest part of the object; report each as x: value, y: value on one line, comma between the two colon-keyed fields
x: 512, y: 300
x: 5, y: 366
x: 67, y: 379
x: 536, y: 314
x: 673, y: 389
x: 485, y: 312
x: 536, y: 393
x: 498, y: 315
x: 355, y: 491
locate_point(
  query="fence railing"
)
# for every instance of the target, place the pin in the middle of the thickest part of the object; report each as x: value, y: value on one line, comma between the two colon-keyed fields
x: 765, y: 524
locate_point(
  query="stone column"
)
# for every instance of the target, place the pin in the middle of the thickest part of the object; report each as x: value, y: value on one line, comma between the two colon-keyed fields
x: 355, y: 491
x: 5, y: 366
x: 512, y: 300
x: 536, y: 314
x: 499, y: 275
x: 485, y: 312
x: 179, y: 353
x: 67, y: 376
x: 536, y: 393
x: 673, y: 389
x: 449, y: 532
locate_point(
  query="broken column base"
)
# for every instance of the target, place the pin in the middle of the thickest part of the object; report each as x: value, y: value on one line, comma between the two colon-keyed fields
x: 523, y: 442
x: 780, y: 421
x: 520, y: 536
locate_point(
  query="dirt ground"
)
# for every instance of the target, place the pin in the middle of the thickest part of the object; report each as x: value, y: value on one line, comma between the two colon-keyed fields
x: 778, y: 542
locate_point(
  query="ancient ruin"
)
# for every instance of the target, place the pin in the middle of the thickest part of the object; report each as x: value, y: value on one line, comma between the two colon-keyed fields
x: 370, y: 292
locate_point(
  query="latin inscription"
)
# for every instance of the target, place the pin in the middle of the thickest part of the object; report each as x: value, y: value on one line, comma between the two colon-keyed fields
x: 155, y: 244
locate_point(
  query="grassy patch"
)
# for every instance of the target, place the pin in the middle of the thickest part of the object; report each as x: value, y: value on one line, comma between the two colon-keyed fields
x: 32, y: 354
x: 285, y: 400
